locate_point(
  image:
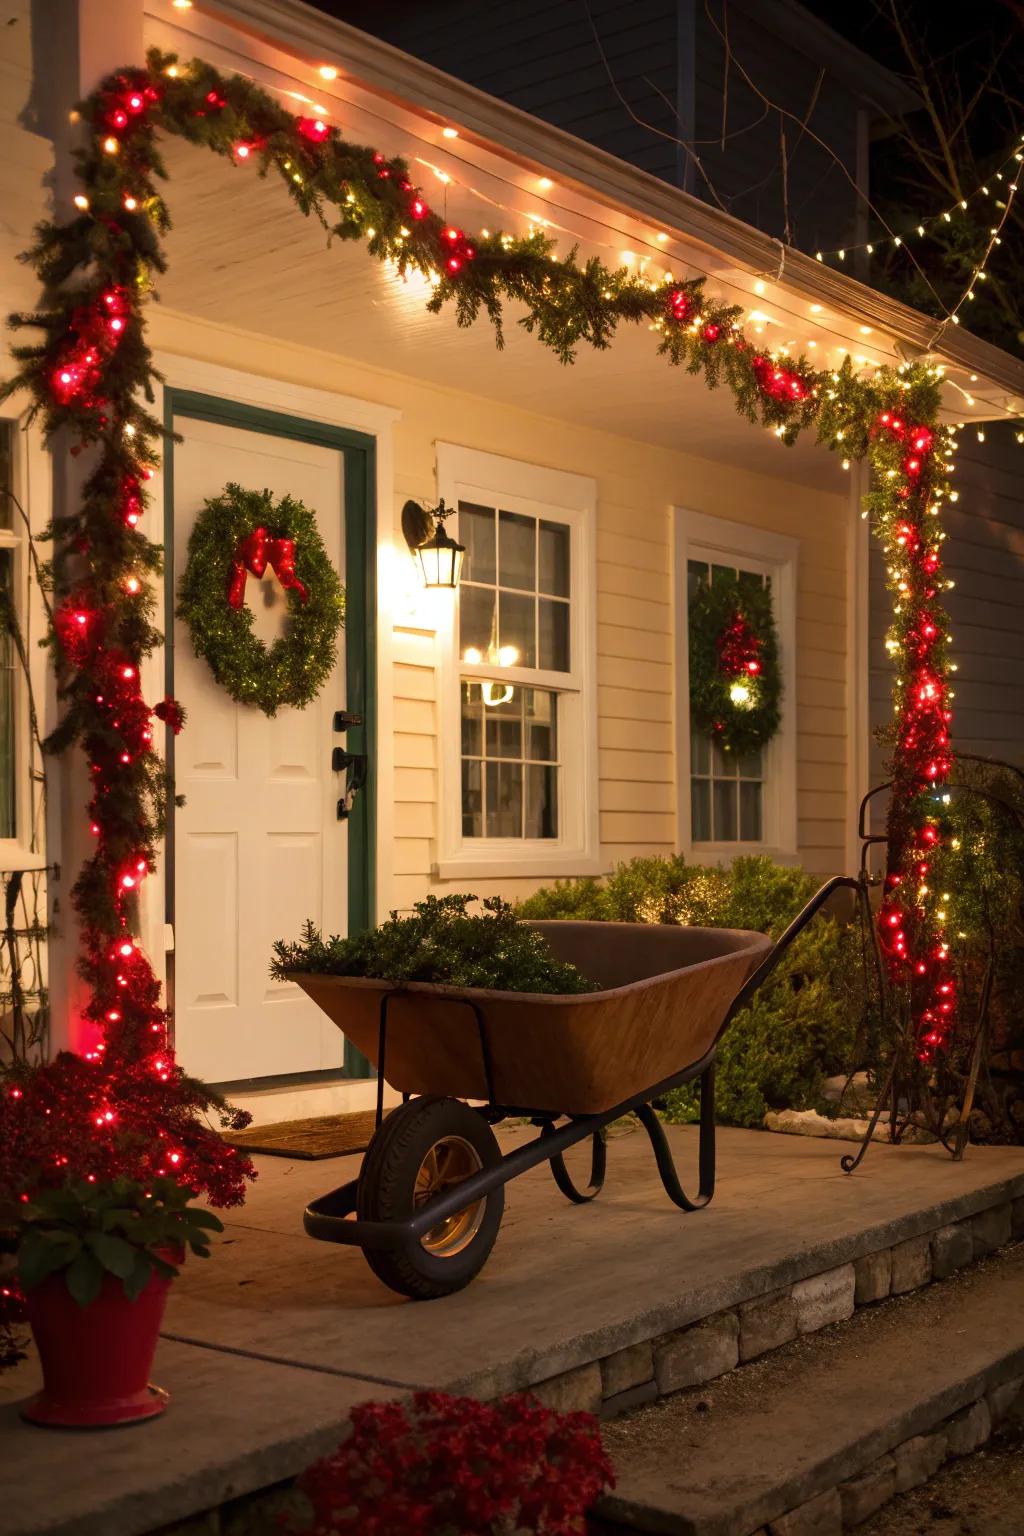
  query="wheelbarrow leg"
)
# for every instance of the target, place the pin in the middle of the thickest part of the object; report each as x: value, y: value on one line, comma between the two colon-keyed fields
x: 706, y: 1155
x: 598, y: 1162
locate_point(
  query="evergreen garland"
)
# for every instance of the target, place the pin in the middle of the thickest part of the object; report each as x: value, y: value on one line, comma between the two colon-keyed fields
x: 732, y: 699
x: 294, y: 669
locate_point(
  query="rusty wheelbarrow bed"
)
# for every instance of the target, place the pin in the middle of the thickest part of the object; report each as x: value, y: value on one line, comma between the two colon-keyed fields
x: 429, y: 1198
x: 666, y: 993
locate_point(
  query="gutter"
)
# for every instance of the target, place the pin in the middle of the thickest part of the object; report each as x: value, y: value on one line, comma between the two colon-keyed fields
x: 539, y: 148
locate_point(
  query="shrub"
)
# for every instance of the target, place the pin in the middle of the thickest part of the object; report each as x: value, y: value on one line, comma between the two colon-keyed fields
x: 801, y: 1026
x: 457, y: 1466
x: 439, y: 942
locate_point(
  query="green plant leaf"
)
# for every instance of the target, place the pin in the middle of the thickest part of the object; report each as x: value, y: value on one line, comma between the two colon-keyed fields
x: 41, y: 1254
x: 200, y: 1218
x: 136, y: 1281
x: 114, y: 1253
x: 84, y: 1278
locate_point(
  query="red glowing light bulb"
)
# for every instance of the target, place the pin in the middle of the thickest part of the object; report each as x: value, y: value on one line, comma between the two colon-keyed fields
x: 712, y: 332
x: 313, y: 128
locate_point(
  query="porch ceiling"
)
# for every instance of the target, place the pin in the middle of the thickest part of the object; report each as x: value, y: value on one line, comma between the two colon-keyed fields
x: 241, y: 256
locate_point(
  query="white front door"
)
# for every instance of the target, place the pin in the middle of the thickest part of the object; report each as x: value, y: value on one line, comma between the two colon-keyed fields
x: 258, y: 847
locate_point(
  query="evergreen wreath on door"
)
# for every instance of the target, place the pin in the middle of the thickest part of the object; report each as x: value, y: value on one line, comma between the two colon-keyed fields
x: 241, y: 533
x: 735, y: 678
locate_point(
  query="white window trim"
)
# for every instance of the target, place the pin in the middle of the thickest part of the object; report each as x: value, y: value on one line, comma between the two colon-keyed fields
x: 31, y: 471
x: 471, y: 475
x: 696, y: 536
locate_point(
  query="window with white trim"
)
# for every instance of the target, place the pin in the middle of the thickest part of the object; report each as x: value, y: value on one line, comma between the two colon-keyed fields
x: 727, y: 793
x: 727, y: 804
x: 519, y: 782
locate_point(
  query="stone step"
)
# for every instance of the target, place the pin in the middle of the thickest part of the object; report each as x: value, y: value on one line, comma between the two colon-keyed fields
x: 814, y: 1437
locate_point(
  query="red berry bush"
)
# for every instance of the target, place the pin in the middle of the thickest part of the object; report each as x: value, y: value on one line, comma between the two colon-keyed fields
x: 452, y: 1466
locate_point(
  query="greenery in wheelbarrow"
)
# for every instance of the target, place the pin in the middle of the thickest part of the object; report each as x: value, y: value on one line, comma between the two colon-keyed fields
x: 807, y: 1023
x: 441, y: 941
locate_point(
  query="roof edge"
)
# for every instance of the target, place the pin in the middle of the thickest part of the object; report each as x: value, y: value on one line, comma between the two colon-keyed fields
x: 543, y: 149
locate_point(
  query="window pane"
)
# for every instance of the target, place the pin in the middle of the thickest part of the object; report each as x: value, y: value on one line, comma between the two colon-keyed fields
x: 720, y: 573
x: 517, y: 551
x: 553, y: 540
x: 476, y: 531
x: 553, y: 626
x: 472, y: 800
x: 724, y: 798
x: 700, y: 751
x: 696, y: 576
x: 751, y: 767
x: 504, y: 721
x: 700, y: 810
x: 541, y: 725
x: 750, y: 813
x: 516, y: 620
x: 541, y: 802
x: 472, y: 721
x: 476, y: 622
x: 504, y: 799
x: 723, y: 764
x: 750, y: 581
x: 8, y: 690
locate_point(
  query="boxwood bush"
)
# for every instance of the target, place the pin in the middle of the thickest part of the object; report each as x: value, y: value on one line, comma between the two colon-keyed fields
x: 805, y: 1024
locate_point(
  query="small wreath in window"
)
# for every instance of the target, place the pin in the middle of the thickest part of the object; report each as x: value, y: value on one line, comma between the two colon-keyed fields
x: 241, y: 533
x: 735, y: 678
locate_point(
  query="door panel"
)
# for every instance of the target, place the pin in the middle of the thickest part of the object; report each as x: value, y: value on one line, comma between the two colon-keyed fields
x: 257, y: 845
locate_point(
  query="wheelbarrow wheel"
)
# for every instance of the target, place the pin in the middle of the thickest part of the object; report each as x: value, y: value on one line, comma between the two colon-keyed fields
x: 423, y: 1148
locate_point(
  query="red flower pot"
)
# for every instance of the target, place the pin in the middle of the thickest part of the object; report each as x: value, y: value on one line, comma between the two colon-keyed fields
x: 96, y: 1359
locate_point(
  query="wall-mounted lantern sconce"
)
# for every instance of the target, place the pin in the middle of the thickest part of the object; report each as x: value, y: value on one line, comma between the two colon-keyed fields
x: 440, y: 556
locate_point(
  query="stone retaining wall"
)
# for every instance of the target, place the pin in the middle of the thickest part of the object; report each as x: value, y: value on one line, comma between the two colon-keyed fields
x: 906, y: 1466
x: 703, y: 1351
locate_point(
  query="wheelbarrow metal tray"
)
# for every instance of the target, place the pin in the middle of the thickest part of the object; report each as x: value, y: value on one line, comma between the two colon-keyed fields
x: 667, y: 991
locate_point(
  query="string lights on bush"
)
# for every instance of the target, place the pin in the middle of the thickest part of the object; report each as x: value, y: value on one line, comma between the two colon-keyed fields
x: 123, y: 1105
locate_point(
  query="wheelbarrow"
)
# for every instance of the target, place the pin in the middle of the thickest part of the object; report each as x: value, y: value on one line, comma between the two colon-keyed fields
x: 429, y: 1198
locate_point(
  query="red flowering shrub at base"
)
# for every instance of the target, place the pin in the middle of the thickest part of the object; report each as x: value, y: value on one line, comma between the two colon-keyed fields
x: 452, y: 1466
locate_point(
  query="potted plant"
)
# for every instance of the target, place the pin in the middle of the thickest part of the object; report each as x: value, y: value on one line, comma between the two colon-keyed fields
x: 458, y: 1466
x: 94, y: 1261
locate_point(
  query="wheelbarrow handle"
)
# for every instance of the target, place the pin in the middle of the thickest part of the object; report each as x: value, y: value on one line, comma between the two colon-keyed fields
x: 785, y: 940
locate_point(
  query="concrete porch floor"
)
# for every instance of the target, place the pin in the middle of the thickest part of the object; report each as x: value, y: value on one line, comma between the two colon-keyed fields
x: 268, y: 1345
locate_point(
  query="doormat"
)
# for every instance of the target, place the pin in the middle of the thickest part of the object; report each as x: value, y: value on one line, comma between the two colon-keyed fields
x: 323, y: 1136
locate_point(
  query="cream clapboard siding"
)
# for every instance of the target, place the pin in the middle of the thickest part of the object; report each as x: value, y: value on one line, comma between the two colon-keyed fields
x: 636, y: 486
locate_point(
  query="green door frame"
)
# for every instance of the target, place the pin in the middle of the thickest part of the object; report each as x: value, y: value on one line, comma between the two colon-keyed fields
x: 359, y: 453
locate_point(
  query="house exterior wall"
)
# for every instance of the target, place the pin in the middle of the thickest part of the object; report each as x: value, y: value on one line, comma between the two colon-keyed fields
x: 984, y: 555
x: 637, y: 485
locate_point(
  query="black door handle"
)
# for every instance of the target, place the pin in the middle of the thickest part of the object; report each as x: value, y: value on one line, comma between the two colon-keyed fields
x: 356, y: 765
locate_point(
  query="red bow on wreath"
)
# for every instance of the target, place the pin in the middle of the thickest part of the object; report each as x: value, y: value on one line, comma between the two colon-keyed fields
x: 255, y: 553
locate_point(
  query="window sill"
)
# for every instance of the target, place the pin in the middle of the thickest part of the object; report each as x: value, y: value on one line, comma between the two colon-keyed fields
x: 15, y: 857
x: 490, y: 864
x: 716, y: 853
